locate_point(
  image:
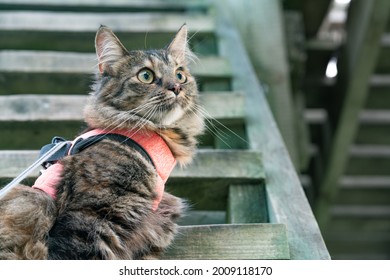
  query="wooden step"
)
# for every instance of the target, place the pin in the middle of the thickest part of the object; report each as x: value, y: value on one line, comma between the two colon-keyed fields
x: 368, y: 160
x: 199, y: 217
x: 378, y: 98
x: 205, y: 182
x: 64, y: 31
x: 29, y: 107
x: 234, y: 166
x: 245, y: 241
x: 28, y: 121
x: 360, y: 218
x: 75, y: 31
x: 70, y: 73
x: 374, y: 127
x: 89, y: 22
x: 364, y: 190
x: 112, y: 5
x: 358, y: 245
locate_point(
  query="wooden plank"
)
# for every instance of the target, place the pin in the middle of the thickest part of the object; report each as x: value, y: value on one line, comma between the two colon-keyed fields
x: 29, y: 107
x: 358, y: 244
x: 368, y: 20
x: 201, y: 43
x: 68, y: 62
x: 287, y: 203
x: 368, y: 160
x: 364, y: 190
x: 121, y: 4
x: 90, y: 22
x: 234, y: 242
x: 271, y: 67
x: 362, y: 219
x: 203, y: 218
x: 70, y: 73
x: 231, y: 165
x: 247, y: 204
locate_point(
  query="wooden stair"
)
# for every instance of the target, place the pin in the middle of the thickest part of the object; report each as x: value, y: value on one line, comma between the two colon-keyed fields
x: 349, y: 120
x: 247, y: 201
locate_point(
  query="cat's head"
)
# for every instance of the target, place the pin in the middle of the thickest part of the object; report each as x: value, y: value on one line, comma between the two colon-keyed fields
x: 146, y: 89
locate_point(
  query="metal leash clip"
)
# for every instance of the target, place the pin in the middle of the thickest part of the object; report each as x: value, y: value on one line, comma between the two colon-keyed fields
x: 45, y: 157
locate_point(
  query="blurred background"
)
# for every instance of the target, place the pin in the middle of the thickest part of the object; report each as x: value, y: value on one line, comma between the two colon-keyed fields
x: 323, y: 65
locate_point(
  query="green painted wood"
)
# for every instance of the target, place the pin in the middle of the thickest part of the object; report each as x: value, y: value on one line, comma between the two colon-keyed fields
x: 204, y: 183
x: 202, y: 43
x: 28, y: 107
x: 368, y: 160
x: 71, y: 73
x: 359, y: 245
x: 364, y: 190
x: 90, y: 22
x: 247, y: 204
x: 200, y: 217
x: 365, y: 28
x: 255, y: 21
x: 246, y: 241
x: 33, y: 135
x: 151, y: 5
x: 231, y: 165
x: 81, y: 63
x: 287, y: 203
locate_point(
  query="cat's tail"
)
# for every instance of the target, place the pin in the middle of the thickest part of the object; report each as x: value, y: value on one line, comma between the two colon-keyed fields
x: 26, y: 216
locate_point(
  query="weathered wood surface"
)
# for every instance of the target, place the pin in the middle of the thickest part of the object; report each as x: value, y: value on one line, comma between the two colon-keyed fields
x: 85, y: 63
x: 202, y: 217
x: 90, y: 22
x: 122, y: 4
x: 247, y: 204
x: 287, y: 203
x: 359, y: 245
x: 367, y: 22
x: 28, y: 107
x: 233, y: 165
x: 368, y: 160
x: 271, y: 67
x: 48, y: 72
x: 245, y: 241
x: 364, y: 190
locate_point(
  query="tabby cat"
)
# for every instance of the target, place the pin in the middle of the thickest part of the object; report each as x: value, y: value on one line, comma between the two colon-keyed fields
x: 109, y: 201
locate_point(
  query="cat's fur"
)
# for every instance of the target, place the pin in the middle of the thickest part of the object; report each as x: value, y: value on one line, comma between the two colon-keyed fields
x: 104, y: 200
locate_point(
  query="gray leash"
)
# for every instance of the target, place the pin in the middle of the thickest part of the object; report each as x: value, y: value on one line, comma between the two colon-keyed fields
x: 16, y: 181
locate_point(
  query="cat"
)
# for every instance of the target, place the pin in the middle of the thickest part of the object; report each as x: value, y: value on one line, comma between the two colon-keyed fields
x: 108, y: 201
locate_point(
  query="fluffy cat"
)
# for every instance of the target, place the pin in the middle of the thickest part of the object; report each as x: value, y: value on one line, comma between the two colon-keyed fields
x: 106, y: 204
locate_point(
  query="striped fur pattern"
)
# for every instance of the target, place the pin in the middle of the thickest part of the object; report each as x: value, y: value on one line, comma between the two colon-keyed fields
x: 104, y: 200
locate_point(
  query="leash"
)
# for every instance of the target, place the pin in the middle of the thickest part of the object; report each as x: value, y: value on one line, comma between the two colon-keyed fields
x: 45, y: 157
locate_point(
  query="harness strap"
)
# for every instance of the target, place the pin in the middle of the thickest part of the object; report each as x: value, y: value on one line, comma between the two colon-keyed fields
x: 149, y: 144
x: 81, y: 144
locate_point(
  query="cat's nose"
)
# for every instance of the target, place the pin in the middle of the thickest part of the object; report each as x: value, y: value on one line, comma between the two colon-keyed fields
x: 175, y: 87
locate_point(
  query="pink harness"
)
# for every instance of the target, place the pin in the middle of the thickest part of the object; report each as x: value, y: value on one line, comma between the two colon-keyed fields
x: 151, y: 142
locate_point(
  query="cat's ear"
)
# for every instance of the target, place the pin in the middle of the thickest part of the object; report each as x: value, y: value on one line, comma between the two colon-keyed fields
x: 108, y: 48
x: 179, y: 45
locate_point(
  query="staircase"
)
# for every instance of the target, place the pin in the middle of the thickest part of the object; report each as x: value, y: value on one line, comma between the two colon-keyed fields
x: 247, y: 201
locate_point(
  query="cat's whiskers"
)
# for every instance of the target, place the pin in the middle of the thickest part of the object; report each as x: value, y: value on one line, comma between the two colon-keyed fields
x: 214, y: 129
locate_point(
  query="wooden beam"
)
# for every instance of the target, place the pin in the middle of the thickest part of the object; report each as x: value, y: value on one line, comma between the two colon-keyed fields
x: 255, y: 21
x: 247, y: 204
x: 287, y: 203
x: 230, y: 242
x: 367, y: 23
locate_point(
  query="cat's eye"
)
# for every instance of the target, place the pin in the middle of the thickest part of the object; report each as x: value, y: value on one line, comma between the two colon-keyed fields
x: 181, y: 76
x: 146, y: 76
